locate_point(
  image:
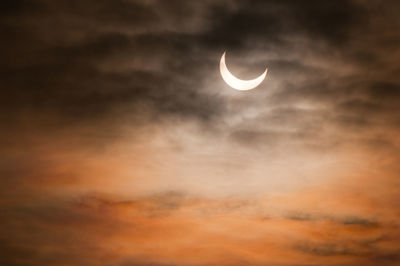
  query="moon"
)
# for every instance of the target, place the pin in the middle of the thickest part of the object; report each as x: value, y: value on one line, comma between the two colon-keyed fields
x: 239, y: 84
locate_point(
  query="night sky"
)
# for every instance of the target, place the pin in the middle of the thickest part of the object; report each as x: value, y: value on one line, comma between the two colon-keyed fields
x: 121, y: 145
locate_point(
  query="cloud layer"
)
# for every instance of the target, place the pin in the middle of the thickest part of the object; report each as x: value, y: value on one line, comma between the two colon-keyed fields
x: 121, y: 144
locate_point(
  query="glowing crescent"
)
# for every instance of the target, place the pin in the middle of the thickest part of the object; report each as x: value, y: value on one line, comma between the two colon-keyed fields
x: 238, y: 84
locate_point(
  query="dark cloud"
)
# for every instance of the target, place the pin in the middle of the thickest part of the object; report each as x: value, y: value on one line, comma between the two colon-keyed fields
x: 347, y: 220
x: 325, y: 249
x: 366, y: 253
x: 271, y: 22
x: 82, y: 61
x: 50, y: 72
x: 60, y: 72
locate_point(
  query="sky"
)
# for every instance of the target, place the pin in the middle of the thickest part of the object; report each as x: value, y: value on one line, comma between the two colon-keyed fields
x: 121, y: 145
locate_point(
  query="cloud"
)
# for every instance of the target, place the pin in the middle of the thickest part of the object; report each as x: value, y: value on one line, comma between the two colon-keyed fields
x: 122, y: 145
x: 106, y: 230
x: 98, y: 60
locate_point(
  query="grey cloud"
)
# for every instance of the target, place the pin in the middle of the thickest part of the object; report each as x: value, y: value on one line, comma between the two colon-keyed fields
x: 366, y: 254
x: 63, y: 77
x: 61, y: 74
x: 127, y: 55
x: 345, y: 220
x: 325, y: 249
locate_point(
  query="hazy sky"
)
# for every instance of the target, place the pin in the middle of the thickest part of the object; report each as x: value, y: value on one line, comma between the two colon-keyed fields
x: 121, y: 145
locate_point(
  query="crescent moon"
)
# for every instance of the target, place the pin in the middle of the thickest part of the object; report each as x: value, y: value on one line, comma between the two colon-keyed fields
x: 239, y: 84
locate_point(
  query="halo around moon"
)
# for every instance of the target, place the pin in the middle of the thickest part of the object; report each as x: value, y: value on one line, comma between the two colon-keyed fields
x: 239, y: 84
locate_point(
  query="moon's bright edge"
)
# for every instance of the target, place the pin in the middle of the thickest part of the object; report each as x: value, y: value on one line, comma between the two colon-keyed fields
x: 239, y: 84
